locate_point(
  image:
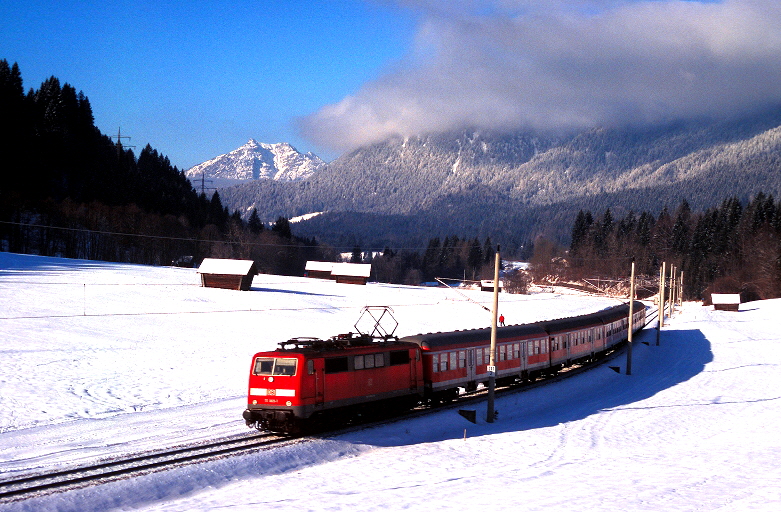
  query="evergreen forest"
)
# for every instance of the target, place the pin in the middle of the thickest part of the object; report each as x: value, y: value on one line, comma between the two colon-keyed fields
x: 68, y: 190
x: 732, y: 248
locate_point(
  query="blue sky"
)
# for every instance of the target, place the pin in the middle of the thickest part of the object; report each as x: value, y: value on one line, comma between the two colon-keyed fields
x: 197, y: 79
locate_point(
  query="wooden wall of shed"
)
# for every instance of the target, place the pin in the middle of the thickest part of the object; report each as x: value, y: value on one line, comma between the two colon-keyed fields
x: 351, y: 279
x: 228, y: 282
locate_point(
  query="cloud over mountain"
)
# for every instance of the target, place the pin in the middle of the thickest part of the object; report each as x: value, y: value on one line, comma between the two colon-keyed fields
x: 508, y: 64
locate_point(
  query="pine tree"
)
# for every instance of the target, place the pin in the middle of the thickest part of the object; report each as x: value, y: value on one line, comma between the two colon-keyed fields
x: 254, y: 224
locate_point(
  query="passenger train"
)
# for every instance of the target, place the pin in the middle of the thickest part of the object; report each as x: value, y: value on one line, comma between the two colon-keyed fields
x: 310, y: 381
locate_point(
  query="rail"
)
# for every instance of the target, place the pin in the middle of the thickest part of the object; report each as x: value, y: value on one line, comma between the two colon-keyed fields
x: 61, y: 480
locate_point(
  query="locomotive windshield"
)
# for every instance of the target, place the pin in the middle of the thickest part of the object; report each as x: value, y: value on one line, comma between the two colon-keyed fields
x: 275, y: 366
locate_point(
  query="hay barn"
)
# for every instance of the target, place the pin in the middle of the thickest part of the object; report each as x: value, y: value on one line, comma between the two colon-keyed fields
x: 725, y: 301
x: 319, y: 269
x: 227, y: 274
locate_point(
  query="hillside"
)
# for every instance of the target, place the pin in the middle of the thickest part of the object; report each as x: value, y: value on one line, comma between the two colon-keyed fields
x: 481, y: 183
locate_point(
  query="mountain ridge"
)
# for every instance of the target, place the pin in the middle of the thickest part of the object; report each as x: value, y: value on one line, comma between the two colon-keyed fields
x: 482, y: 183
x: 255, y: 161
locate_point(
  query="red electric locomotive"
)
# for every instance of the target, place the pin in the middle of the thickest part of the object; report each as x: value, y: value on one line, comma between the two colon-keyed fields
x: 309, y: 380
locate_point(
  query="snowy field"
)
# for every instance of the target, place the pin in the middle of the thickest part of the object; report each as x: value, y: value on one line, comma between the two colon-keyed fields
x: 103, y: 359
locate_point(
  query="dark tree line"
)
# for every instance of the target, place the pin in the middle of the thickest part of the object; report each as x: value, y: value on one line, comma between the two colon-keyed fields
x: 68, y: 190
x: 732, y: 248
x: 449, y: 258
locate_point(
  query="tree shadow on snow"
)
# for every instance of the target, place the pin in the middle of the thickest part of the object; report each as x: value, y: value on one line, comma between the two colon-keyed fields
x: 681, y: 355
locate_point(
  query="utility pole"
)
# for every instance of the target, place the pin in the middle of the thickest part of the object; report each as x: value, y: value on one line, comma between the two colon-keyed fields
x: 119, y: 138
x: 492, y: 357
x: 204, y: 188
x: 660, y: 308
x: 680, y: 291
x: 631, y: 315
x: 662, y: 304
x: 672, y: 290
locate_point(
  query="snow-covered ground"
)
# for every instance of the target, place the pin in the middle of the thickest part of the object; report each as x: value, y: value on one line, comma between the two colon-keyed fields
x: 102, y: 359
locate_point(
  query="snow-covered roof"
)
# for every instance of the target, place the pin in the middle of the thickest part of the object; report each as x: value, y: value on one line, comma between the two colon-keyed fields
x: 320, y: 266
x: 225, y: 267
x: 725, y: 298
x: 351, y: 269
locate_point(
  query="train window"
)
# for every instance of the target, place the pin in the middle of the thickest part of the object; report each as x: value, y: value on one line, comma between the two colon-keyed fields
x: 462, y: 359
x: 453, y: 361
x: 399, y: 357
x: 503, y: 352
x: 336, y: 364
x: 263, y: 366
x: 379, y: 360
x: 479, y: 357
x: 368, y: 361
x: 358, y: 363
x: 443, y: 362
x: 435, y: 363
x: 285, y: 366
x: 310, y: 367
x: 516, y: 350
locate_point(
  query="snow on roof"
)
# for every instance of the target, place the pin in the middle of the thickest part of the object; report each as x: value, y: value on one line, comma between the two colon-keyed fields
x: 322, y: 266
x: 352, y: 269
x: 225, y: 267
x: 725, y: 298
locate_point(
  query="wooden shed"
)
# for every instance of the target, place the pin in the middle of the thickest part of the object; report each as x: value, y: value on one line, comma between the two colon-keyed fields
x: 487, y: 285
x: 725, y: 301
x: 351, y: 273
x: 228, y: 274
x: 319, y: 269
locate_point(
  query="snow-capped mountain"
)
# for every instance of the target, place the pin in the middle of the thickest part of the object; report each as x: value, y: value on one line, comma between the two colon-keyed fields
x: 256, y: 160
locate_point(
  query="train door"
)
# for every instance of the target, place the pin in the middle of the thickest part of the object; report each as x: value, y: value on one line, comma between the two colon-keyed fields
x: 319, y: 381
x: 471, y: 366
x: 413, y: 370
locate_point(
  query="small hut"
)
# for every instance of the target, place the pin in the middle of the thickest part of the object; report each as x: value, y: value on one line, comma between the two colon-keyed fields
x: 319, y: 269
x: 227, y: 274
x: 725, y: 301
x: 351, y: 273
x: 487, y: 285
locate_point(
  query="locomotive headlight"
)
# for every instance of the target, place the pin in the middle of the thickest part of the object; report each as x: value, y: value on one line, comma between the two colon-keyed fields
x: 288, y: 403
x: 254, y: 402
x: 271, y: 379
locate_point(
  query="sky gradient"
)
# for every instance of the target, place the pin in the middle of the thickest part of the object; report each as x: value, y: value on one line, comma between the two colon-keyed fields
x: 199, y: 79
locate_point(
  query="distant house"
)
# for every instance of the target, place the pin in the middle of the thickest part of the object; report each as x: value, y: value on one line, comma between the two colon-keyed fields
x: 227, y: 274
x: 351, y: 273
x: 725, y: 301
x: 319, y: 269
x: 487, y: 285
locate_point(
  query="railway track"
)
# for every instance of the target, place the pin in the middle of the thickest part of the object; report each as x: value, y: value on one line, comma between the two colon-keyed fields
x: 80, y: 476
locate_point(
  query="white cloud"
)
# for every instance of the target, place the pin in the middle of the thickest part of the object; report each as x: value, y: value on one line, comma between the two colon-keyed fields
x: 550, y: 65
